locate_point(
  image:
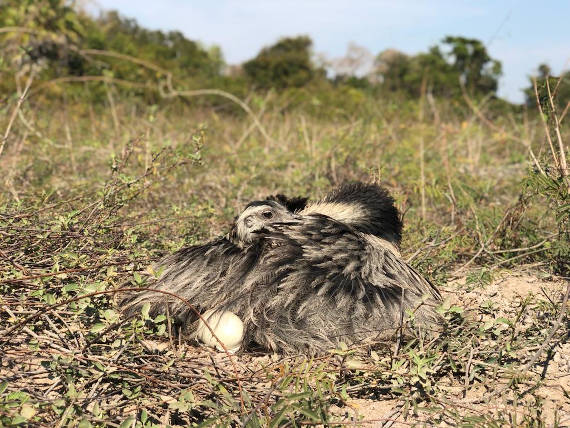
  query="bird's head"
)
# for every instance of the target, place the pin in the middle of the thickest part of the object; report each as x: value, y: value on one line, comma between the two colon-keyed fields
x: 257, y: 217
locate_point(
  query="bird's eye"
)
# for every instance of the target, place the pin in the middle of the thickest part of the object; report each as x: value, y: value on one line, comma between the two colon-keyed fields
x: 267, y: 214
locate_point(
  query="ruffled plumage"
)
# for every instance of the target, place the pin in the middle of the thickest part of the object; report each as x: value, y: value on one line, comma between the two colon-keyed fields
x: 308, y: 278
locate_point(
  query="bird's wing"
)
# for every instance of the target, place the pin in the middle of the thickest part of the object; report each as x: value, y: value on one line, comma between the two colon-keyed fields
x: 327, y: 257
x: 204, y: 275
x: 318, y: 281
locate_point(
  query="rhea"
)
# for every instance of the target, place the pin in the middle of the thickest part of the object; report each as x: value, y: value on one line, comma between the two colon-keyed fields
x: 300, y: 276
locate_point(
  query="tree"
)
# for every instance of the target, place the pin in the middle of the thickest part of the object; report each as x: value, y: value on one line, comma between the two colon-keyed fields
x: 477, y: 70
x: 285, y: 64
x: 390, y: 69
x: 396, y: 71
x: 356, y: 62
x: 43, y: 32
x: 171, y: 50
x: 559, y: 88
x: 465, y: 62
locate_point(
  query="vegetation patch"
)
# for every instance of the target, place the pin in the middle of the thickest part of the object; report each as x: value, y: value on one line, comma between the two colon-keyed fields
x: 109, y: 167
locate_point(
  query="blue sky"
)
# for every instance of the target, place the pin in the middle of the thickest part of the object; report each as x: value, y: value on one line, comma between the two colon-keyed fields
x: 519, y: 33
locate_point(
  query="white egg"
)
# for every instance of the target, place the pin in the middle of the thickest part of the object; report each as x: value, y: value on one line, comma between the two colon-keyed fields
x: 227, y: 326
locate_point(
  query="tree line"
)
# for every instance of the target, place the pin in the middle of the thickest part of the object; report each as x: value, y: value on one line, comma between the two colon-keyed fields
x: 57, y: 40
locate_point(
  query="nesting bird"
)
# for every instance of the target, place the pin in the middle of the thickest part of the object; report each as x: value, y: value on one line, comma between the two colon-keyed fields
x: 299, y: 276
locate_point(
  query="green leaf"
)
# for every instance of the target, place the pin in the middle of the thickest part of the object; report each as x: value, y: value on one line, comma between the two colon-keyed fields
x: 127, y: 423
x: 144, y: 310
x: 71, y: 391
x: 159, y: 318
x: 456, y: 309
x: 311, y: 414
x: 278, y: 418
x: 209, y: 422
x: 502, y: 320
x: 488, y: 325
x: 18, y: 420
x: 19, y: 396
x: 344, y: 394
x: 70, y: 287
x: 27, y: 411
x: 84, y: 423
x: 110, y: 315
x: 298, y: 397
x: 99, y: 366
x: 96, y: 328
x: 49, y: 299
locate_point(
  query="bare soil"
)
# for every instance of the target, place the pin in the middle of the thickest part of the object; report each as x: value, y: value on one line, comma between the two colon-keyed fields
x: 548, y: 381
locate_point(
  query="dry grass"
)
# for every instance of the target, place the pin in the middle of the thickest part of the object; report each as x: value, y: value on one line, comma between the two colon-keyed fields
x: 90, y: 196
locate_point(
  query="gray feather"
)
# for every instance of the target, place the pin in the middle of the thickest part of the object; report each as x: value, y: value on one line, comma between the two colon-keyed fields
x: 301, y: 281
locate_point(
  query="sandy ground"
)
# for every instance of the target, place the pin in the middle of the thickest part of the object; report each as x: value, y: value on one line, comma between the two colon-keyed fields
x: 507, y: 291
x: 547, y: 385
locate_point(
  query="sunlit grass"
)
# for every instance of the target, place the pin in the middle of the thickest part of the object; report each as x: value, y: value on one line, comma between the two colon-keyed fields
x: 90, y: 196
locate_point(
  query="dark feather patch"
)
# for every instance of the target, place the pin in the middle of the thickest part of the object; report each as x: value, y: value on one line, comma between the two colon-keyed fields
x: 294, y: 204
x: 383, y: 218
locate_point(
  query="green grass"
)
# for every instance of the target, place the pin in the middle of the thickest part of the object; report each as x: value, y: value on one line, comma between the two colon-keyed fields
x: 90, y: 196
